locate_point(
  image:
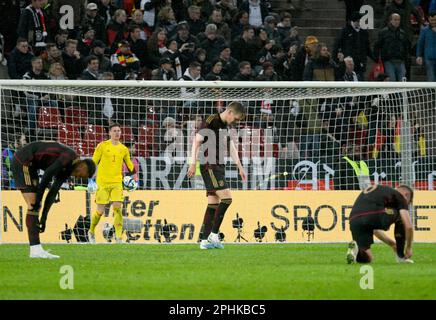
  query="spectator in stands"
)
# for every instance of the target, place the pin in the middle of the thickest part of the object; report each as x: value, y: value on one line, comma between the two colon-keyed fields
x: 349, y: 72
x: 91, y: 71
x: 167, y: 20
x: 426, y: 48
x: 79, y: 10
x: 194, y: 20
x: 223, y: 28
x: 354, y: 42
x: 393, y: 48
x: 270, y: 27
x: 200, y: 57
x: 85, y: 43
x: 117, y: 29
x: 19, y: 60
x: 230, y: 64
x: 57, y: 71
x: 32, y: 26
x: 240, y: 20
x: 16, y: 143
x: 34, y: 99
x: 351, y: 6
x: 267, y: 49
x: 212, y: 43
x: 291, y: 39
x: 50, y: 56
x: 138, y: 20
x: 245, y: 73
x: 98, y: 49
x: 183, y: 36
x: 302, y: 57
x: 257, y: 11
x: 284, y: 65
x: 228, y: 10
x: 93, y: 20
x: 285, y: 26
x: 124, y: 62
x: 181, y: 56
x: 61, y: 39
x: 405, y: 9
x: 268, y: 73
x: 73, y: 62
x: 321, y: 67
x: 165, y: 72
x: 216, y: 71
x: 138, y: 45
x: 156, y: 46
x: 193, y: 73
x: 106, y: 10
x: 244, y: 48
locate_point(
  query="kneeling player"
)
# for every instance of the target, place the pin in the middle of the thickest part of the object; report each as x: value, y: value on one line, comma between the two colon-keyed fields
x: 58, y: 162
x: 375, y: 210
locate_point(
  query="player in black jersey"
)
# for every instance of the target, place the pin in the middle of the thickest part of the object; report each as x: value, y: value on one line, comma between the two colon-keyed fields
x: 375, y: 210
x: 59, y: 162
x: 213, y: 135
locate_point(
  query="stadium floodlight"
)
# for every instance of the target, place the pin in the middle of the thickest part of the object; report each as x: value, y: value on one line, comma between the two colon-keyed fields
x: 238, y: 224
x: 260, y: 232
x: 280, y: 235
x: 308, y: 228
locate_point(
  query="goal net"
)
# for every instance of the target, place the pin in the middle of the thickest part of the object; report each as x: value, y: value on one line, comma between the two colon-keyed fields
x: 296, y: 136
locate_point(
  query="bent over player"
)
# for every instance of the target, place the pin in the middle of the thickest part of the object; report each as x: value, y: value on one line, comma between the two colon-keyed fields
x: 375, y: 210
x: 58, y: 162
x: 110, y: 156
x: 213, y: 170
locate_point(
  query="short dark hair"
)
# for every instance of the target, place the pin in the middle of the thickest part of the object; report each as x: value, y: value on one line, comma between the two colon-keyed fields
x: 404, y: 186
x: 242, y: 64
x: 91, y: 167
x: 21, y: 40
x: 113, y: 125
x: 133, y: 27
x: 90, y: 58
x: 194, y: 64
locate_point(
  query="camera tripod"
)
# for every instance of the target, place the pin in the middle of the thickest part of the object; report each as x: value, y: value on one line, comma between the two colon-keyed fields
x: 239, y: 236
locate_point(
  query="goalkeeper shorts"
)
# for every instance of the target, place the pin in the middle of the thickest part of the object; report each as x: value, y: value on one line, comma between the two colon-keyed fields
x: 106, y: 194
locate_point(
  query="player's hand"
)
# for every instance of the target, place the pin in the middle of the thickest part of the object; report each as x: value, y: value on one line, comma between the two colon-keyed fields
x: 243, y: 174
x: 408, y: 254
x: 191, y: 170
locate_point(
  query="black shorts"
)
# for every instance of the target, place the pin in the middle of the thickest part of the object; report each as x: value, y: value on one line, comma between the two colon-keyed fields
x: 362, y: 233
x: 26, y: 177
x: 214, y: 178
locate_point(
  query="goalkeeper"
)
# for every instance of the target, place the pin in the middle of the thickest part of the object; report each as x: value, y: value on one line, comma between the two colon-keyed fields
x: 109, y: 156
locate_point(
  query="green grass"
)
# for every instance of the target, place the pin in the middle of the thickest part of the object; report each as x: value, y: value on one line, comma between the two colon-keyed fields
x: 279, y: 271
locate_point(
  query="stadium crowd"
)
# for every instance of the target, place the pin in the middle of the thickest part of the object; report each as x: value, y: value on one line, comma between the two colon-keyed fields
x: 196, y: 40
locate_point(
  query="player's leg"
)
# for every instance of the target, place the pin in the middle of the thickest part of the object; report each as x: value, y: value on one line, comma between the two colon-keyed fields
x: 359, y: 249
x: 116, y: 197
x: 206, y: 228
x: 101, y: 199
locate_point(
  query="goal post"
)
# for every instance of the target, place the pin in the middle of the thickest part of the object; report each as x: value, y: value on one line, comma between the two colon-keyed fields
x: 296, y: 135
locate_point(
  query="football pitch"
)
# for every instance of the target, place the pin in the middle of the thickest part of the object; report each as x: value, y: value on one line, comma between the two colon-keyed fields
x: 176, y: 272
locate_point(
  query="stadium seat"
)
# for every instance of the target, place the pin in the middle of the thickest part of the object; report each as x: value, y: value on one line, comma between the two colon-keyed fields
x: 69, y: 135
x: 93, y: 135
x: 146, y: 145
x: 49, y: 118
x: 127, y: 136
x: 76, y: 116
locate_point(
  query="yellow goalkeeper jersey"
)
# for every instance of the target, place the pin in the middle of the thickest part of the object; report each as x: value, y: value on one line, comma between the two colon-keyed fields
x: 109, y: 158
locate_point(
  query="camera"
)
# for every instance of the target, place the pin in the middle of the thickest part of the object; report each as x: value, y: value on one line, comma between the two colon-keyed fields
x: 190, y: 45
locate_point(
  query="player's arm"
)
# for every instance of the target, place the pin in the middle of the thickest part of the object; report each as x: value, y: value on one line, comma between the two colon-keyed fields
x: 235, y: 157
x: 49, y: 200
x: 382, y: 236
x: 49, y: 173
x: 408, y: 228
x: 97, y: 154
x: 194, y: 154
x: 130, y: 165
